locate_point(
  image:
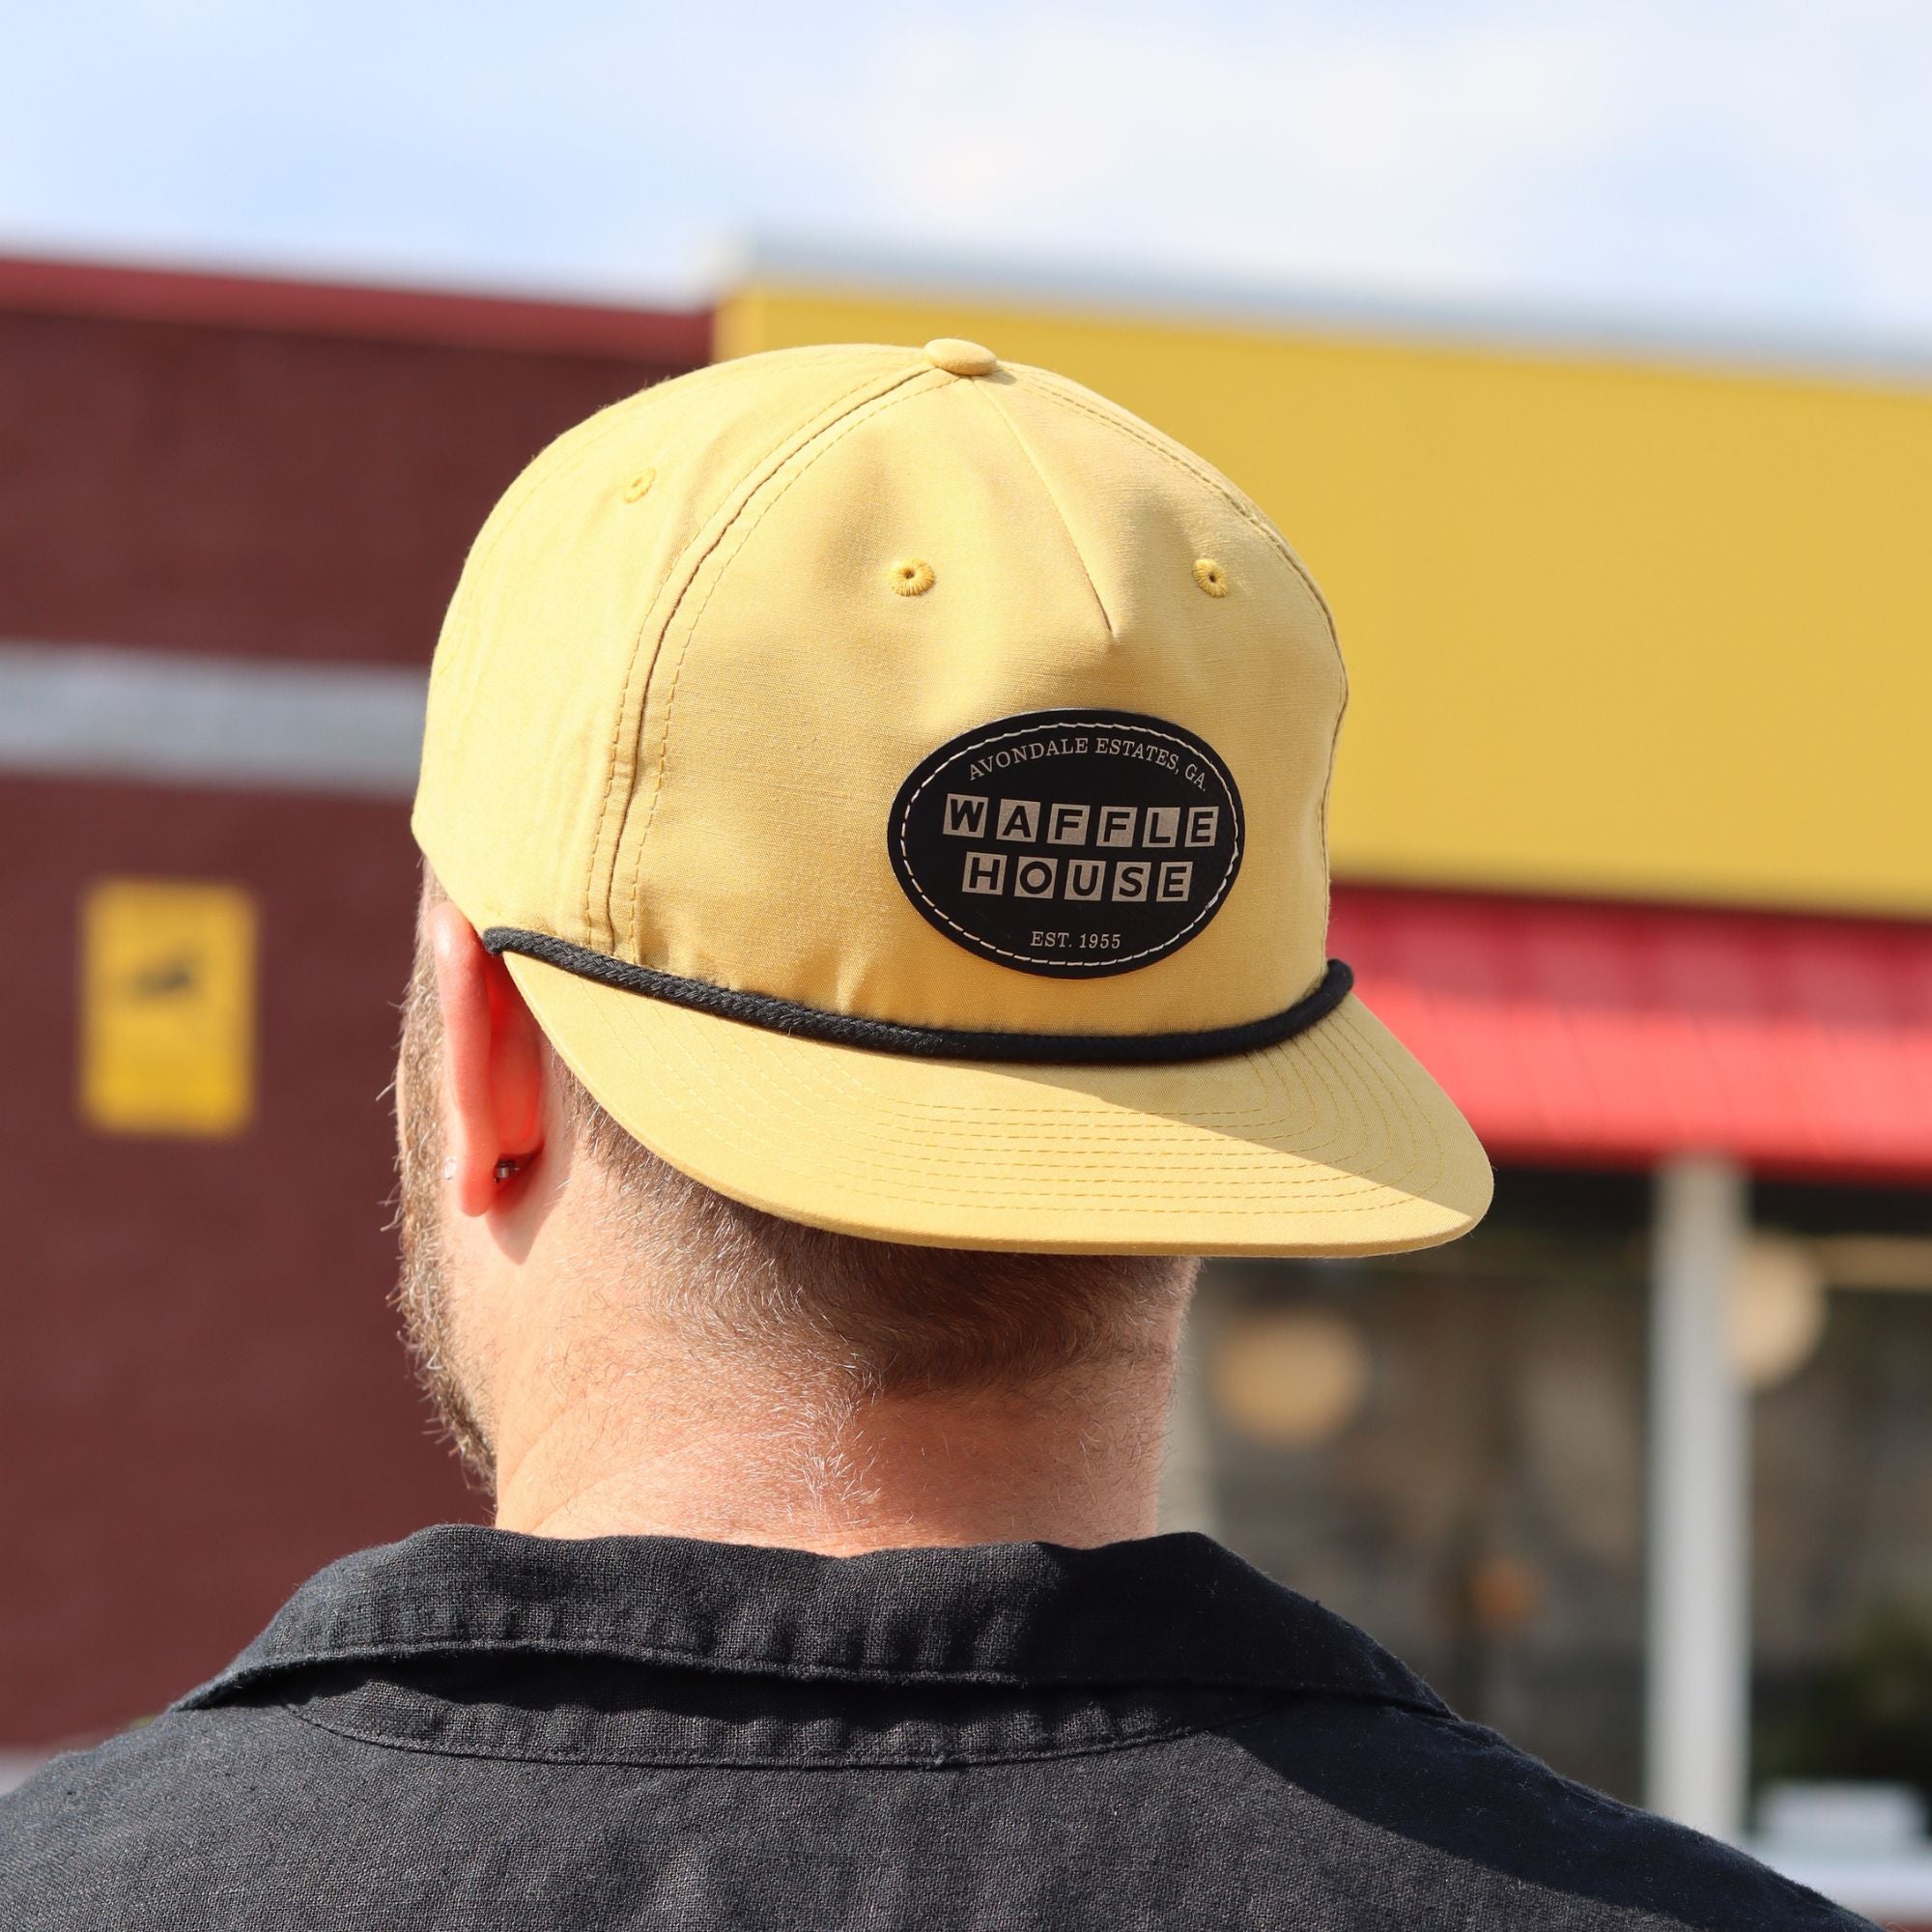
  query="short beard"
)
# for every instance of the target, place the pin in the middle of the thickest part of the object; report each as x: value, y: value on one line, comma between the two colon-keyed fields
x: 422, y: 1294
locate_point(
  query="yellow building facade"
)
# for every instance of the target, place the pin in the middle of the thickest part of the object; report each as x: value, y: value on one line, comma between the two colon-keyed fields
x: 1621, y: 626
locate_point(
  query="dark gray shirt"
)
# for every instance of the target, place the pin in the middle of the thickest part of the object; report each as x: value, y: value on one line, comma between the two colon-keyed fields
x: 476, y: 1729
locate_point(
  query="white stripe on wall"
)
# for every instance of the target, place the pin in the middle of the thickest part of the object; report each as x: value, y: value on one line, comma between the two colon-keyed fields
x: 161, y: 717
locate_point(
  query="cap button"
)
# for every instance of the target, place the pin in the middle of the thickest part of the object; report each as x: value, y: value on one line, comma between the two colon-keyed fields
x: 960, y: 359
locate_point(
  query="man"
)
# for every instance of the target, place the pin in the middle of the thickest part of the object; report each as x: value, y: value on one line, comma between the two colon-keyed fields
x: 873, y: 803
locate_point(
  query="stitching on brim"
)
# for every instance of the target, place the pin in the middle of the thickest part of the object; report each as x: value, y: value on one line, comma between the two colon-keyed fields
x: 1055, y: 1138
x: 1026, y: 1164
x: 894, y: 1179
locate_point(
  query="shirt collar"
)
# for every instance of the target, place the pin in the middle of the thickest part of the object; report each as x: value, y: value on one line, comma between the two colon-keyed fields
x: 1163, y: 1609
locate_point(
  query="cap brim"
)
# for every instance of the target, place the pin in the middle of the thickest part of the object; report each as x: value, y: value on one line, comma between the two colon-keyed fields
x: 1333, y: 1142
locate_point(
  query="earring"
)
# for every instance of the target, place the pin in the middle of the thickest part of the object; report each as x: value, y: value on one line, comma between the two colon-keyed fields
x: 507, y: 1166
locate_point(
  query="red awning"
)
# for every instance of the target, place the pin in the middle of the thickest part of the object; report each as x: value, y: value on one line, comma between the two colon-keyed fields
x: 1614, y: 1035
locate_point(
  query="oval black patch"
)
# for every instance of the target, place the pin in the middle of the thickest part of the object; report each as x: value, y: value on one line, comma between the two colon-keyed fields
x: 1073, y: 843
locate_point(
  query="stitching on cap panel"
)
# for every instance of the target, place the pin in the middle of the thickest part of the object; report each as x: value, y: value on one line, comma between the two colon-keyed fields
x: 650, y: 604
x: 570, y: 453
x: 1182, y: 460
x: 797, y: 429
x: 986, y: 393
x: 804, y: 427
x: 573, y: 443
x: 822, y: 440
x: 1052, y: 387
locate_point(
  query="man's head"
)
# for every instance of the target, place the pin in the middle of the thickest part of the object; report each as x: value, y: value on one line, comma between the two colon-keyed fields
x: 890, y: 785
x: 631, y: 1245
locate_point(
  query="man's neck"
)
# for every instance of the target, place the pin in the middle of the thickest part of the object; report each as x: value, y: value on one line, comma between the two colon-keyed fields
x: 682, y: 1449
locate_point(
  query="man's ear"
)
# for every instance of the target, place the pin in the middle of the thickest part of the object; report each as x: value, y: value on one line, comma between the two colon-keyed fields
x: 492, y: 1061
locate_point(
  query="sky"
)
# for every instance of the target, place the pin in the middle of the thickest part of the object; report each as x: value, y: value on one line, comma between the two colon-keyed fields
x: 1745, y: 164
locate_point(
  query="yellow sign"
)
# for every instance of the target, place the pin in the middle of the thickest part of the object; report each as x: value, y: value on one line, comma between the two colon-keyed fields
x: 167, y: 1008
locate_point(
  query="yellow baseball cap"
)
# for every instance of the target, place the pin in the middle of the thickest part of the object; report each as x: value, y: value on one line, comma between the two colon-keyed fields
x: 897, y: 781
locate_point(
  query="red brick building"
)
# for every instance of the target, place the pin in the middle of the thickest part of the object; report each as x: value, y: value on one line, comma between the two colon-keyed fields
x: 202, y: 1398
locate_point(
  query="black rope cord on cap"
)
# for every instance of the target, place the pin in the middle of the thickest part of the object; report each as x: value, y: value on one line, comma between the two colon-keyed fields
x: 917, y: 1042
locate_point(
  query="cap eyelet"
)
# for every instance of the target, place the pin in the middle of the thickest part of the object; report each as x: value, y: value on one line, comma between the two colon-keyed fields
x: 639, y: 485
x: 1210, y: 577
x: 912, y: 577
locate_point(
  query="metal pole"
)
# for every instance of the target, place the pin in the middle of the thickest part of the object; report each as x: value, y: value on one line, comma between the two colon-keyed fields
x: 1697, y: 1690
